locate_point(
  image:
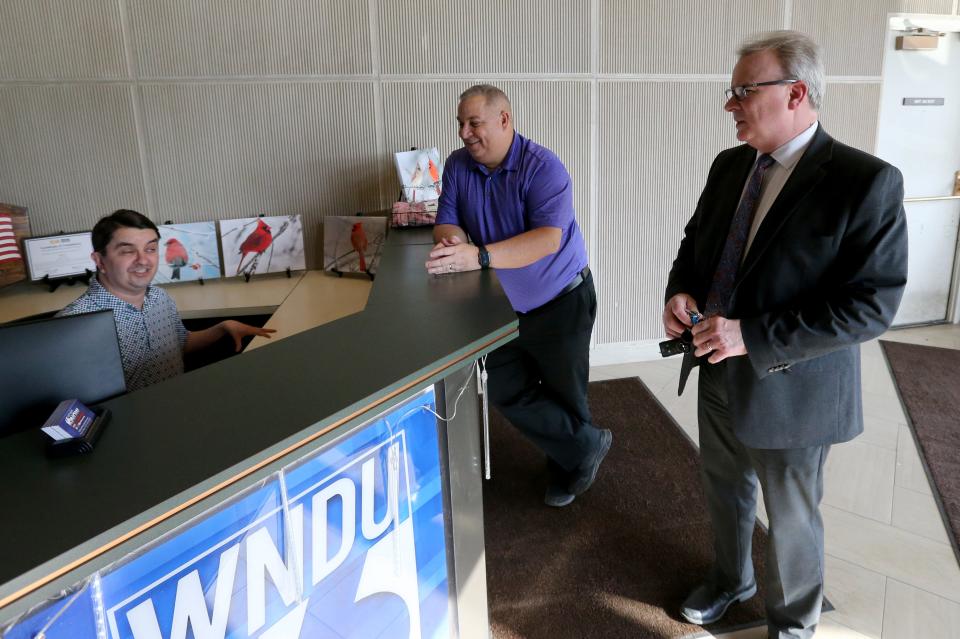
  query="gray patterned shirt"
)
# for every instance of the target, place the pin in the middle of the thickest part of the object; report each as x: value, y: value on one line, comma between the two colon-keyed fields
x: 151, y: 338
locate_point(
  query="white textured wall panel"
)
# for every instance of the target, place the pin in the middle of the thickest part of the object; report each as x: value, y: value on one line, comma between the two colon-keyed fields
x: 58, y: 39
x: 417, y: 114
x: 241, y: 107
x: 555, y: 114
x: 237, y: 150
x: 188, y: 38
x: 853, y: 38
x: 653, y: 164
x: 68, y: 153
x: 484, y: 36
x: 679, y: 36
x: 850, y: 113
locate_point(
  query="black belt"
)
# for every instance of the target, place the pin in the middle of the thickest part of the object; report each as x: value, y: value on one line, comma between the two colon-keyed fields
x: 576, y: 281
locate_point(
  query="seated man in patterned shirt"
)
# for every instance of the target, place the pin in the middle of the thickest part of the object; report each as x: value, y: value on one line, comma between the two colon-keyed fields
x: 152, y: 337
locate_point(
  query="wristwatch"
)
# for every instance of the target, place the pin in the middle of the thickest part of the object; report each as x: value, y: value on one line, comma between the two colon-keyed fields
x: 483, y: 257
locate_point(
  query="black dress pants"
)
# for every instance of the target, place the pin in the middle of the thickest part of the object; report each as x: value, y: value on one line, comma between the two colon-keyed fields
x: 539, y: 380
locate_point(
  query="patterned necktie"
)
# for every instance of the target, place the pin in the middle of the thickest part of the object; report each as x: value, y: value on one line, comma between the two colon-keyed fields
x: 723, y: 278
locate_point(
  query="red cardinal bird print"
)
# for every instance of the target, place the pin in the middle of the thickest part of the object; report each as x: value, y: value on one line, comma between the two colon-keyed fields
x: 175, y: 256
x: 434, y: 174
x: 257, y: 242
x: 359, y: 240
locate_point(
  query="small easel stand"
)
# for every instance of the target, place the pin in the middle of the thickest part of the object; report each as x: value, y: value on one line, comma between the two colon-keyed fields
x: 247, y: 274
x: 54, y: 284
x: 339, y: 273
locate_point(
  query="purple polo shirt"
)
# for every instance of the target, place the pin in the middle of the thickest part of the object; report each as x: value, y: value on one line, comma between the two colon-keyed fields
x: 530, y: 189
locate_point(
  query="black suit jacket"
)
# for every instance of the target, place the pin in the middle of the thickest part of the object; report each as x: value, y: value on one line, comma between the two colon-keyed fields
x: 824, y: 273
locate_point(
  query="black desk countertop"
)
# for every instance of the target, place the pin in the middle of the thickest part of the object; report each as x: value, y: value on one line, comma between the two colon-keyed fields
x: 179, y: 440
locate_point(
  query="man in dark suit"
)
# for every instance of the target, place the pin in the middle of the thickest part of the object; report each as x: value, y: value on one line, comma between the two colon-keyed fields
x: 796, y: 253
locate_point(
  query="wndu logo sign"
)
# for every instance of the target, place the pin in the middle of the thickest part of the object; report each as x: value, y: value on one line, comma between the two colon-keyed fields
x: 348, y: 542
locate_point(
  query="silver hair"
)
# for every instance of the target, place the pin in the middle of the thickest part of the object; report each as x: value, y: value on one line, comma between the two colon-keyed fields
x: 800, y: 57
x: 488, y: 91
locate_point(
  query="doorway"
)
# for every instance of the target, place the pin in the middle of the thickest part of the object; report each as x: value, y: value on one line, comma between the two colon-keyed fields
x: 919, y: 132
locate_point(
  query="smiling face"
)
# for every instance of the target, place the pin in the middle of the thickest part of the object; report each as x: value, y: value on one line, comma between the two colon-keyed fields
x: 128, y: 263
x: 486, y: 129
x: 766, y: 118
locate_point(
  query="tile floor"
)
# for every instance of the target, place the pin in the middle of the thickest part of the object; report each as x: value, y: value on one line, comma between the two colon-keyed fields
x: 890, y: 570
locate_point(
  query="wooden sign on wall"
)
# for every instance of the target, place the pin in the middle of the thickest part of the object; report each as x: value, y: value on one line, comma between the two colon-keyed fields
x: 14, y: 227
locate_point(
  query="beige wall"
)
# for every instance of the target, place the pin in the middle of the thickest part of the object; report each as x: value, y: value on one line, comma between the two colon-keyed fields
x: 193, y: 110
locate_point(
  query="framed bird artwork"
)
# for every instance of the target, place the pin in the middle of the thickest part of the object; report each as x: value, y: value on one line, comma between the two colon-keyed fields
x: 188, y: 252
x: 420, y: 173
x: 255, y: 245
x: 353, y: 243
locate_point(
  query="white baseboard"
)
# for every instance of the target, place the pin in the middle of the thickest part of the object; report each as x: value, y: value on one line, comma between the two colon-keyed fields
x: 625, y: 352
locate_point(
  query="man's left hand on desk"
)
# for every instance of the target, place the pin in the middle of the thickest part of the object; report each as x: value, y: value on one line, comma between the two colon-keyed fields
x: 452, y: 256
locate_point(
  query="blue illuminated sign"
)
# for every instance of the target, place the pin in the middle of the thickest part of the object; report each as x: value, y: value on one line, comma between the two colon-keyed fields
x: 346, y: 542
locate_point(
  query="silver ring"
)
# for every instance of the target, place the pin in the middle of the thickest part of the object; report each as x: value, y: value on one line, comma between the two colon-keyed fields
x: 450, y: 267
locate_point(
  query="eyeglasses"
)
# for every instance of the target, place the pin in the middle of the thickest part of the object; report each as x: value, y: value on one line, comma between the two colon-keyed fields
x: 743, y: 91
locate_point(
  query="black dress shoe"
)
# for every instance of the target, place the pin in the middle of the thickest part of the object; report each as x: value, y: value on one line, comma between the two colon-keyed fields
x: 557, y: 495
x: 582, y: 478
x: 706, y: 605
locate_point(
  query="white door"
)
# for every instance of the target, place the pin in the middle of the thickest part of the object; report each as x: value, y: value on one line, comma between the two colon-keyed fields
x: 919, y: 132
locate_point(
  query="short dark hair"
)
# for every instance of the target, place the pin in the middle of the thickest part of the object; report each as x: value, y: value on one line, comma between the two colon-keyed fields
x: 489, y: 92
x: 121, y: 218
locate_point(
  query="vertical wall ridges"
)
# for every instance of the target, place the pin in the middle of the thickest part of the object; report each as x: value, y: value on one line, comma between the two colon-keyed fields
x: 133, y: 72
x: 684, y: 36
x: 239, y: 38
x: 377, y: 67
x: 591, y: 221
x: 225, y: 108
x: 650, y: 177
x: 852, y: 47
x: 484, y: 36
x: 270, y: 148
x: 55, y: 40
x: 68, y: 152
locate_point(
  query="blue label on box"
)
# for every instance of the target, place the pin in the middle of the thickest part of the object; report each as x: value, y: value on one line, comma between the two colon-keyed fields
x: 77, y: 419
x: 69, y: 419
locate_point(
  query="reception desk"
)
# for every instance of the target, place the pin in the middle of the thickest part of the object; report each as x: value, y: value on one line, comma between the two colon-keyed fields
x: 304, y: 487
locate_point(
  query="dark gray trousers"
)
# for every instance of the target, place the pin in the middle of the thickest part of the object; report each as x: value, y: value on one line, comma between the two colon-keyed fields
x: 792, y: 483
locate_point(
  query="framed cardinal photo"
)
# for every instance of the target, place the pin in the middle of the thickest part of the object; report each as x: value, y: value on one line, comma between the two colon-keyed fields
x: 255, y: 245
x: 420, y: 172
x: 188, y: 252
x: 353, y: 243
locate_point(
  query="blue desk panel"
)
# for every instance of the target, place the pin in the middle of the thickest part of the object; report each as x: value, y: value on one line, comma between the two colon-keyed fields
x: 348, y: 541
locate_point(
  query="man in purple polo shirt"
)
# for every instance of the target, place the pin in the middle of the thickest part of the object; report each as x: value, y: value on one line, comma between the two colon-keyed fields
x: 514, y: 199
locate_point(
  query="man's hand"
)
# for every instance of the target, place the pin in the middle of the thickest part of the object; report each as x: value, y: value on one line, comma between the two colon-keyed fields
x: 452, y: 255
x: 676, y: 314
x: 238, y: 330
x: 718, y: 336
